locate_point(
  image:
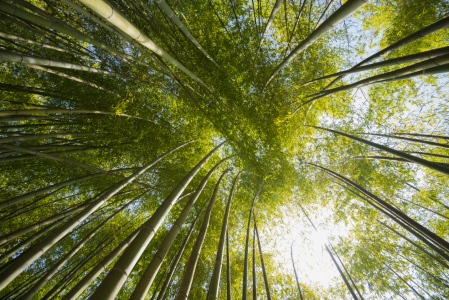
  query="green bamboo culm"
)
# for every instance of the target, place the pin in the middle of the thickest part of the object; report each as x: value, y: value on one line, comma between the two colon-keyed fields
x: 18, y: 12
x: 175, y: 263
x: 440, y: 24
x: 28, y: 257
x: 116, y: 277
x: 296, y: 274
x: 174, y: 18
x: 254, y: 263
x: 262, y: 262
x: 276, y: 7
x: 427, y: 236
x: 117, y: 19
x: 216, y: 274
x: 393, y: 75
x: 245, y: 260
x: 47, y: 276
x: 386, y: 63
x: 22, y: 59
x: 189, y: 272
x: 342, y: 13
x: 151, y: 270
x: 79, y: 288
x: 348, y: 285
x: 431, y: 165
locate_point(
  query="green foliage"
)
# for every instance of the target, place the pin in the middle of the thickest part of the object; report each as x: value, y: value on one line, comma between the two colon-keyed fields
x: 154, y: 107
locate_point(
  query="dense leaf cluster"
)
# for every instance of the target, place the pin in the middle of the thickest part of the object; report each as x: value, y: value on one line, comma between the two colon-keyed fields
x: 84, y: 106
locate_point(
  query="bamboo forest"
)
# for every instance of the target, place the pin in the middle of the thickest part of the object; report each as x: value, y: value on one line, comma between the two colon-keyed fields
x: 224, y: 149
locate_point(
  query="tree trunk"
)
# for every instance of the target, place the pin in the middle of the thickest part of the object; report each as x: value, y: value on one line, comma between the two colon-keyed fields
x: 11, y: 57
x: 67, y: 111
x: 346, y: 271
x: 228, y: 268
x: 422, y: 135
x: 410, y: 139
x: 189, y: 271
x: 397, y: 215
x: 420, y: 161
x: 115, y: 18
x: 43, y: 280
x: 28, y: 241
x: 433, y: 257
x: 216, y: 274
x: 18, y: 12
x: 333, y: 259
x: 79, y: 288
x: 20, y: 232
x: 265, y: 278
x: 443, y: 23
x: 276, y: 7
x: 406, y: 283
x: 178, y: 257
x: 296, y: 275
x: 71, y: 77
x: 112, y: 283
x: 254, y: 264
x: 121, y: 34
x: 245, y: 261
x: 28, y: 257
x: 342, y: 13
x: 328, y: 7
x: 68, y: 161
x: 30, y: 137
x: 18, y: 38
x: 150, y: 273
x: 163, y: 5
x: 386, y: 63
x: 47, y: 189
x: 430, y: 71
x: 396, y: 74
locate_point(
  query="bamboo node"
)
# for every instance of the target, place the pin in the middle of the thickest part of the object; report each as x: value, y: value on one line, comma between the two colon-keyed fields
x: 112, y: 12
x: 148, y: 226
x: 120, y: 269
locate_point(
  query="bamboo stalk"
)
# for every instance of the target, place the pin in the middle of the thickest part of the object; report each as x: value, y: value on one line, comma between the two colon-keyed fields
x: 54, y: 218
x: 178, y: 256
x: 386, y: 63
x: 333, y: 259
x: 43, y: 280
x: 393, y: 75
x: 67, y: 161
x: 296, y: 274
x: 245, y: 261
x: 41, y: 191
x: 22, y: 59
x: 43, y: 45
x: 420, y: 161
x: 26, y: 242
x: 37, y: 250
x: 114, y: 17
x: 18, y: 12
x: 342, y: 13
x: 112, y: 283
x: 164, y: 6
x: 4, y: 113
x: 397, y: 215
x: 264, y: 271
x: 189, y: 271
x: 276, y: 7
x: 151, y: 270
x: 325, y: 11
x: 216, y: 274
x: 443, y: 23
